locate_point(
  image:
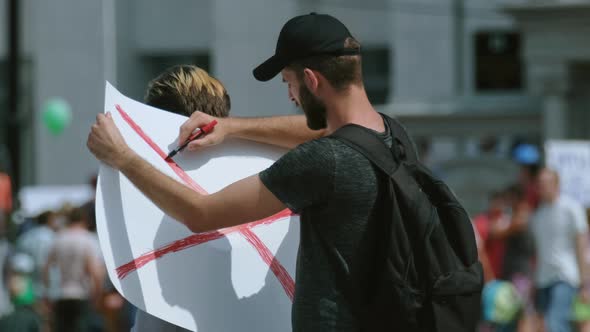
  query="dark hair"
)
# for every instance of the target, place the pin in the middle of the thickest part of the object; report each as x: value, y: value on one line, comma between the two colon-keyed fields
x: 44, y: 217
x: 340, y: 71
x: 76, y: 215
x: 516, y: 191
x: 185, y: 89
x: 496, y: 194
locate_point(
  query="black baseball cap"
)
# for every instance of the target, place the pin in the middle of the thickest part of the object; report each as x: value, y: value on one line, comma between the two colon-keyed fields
x: 304, y: 36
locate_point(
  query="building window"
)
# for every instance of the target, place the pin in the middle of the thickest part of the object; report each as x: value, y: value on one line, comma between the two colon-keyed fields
x: 377, y: 73
x: 498, y: 64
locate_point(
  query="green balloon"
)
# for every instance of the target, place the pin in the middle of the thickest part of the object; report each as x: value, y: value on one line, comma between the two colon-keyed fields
x: 57, y: 115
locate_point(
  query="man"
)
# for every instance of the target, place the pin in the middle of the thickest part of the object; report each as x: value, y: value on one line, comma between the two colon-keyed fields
x: 74, y: 254
x: 560, y: 229
x: 332, y: 186
x: 485, y: 223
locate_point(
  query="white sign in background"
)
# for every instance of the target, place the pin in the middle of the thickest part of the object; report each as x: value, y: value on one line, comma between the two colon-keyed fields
x: 571, y: 159
x: 202, y: 282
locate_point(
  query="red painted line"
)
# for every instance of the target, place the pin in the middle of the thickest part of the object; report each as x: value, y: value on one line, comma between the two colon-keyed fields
x: 176, y: 246
x: 245, y: 230
x: 179, y: 171
x: 196, y: 239
x: 277, y: 268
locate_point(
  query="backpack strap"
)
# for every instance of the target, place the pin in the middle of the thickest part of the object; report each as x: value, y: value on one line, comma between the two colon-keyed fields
x: 401, y: 134
x: 367, y: 143
x: 370, y: 145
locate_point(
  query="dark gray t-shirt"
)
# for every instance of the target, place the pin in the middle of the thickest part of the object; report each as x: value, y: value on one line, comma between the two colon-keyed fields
x: 334, y: 187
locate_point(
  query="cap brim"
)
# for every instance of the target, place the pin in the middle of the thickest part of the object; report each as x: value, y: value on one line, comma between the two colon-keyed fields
x: 269, y: 68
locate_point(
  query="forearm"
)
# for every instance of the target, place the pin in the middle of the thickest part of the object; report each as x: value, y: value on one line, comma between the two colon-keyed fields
x: 519, y: 222
x: 46, y: 270
x: 96, y: 282
x: 581, y: 244
x: 172, y: 197
x: 45, y: 277
x: 286, y: 131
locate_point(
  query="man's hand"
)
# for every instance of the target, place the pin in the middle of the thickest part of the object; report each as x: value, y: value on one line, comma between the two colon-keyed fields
x: 106, y: 142
x: 198, y: 120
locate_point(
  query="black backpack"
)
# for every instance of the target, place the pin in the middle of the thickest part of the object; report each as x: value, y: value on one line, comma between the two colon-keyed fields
x: 419, y: 269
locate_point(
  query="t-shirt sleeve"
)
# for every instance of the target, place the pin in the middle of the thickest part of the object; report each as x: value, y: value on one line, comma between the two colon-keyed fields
x: 304, y: 176
x: 579, y: 218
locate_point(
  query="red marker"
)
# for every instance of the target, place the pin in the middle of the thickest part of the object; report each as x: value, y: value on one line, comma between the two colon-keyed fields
x: 200, y: 132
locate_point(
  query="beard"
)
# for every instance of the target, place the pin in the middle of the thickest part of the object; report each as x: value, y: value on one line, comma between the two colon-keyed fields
x: 314, y: 109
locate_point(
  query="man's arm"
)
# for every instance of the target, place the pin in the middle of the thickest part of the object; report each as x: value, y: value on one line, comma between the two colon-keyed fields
x: 244, y: 201
x: 581, y: 245
x: 580, y: 231
x: 93, y: 271
x: 286, y: 131
x: 46, y: 268
x: 518, y: 223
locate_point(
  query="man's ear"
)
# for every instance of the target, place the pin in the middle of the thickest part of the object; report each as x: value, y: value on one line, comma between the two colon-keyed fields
x: 311, y: 80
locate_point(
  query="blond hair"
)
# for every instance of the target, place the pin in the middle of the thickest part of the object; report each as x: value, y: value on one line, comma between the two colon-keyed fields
x: 185, y: 89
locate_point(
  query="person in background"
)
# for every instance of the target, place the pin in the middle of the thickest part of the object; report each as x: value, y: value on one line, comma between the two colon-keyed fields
x: 73, y: 253
x: 488, y: 274
x: 19, y: 282
x: 89, y: 207
x: 517, y: 263
x: 485, y: 223
x: 182, y: 90
x: 528, y: 157
x: 37, y: 242
x: 519, y: 256
x: 560, y: 231
x: 5, y: 250
x: 5, y: 196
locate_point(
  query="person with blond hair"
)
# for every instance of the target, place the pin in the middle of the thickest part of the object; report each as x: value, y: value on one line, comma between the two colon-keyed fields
x: 182, y: 89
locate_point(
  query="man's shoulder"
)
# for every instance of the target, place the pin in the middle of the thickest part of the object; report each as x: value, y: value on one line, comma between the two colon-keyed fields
x: 328, y: 150
x: 315, y: 144
x: 319, y: 149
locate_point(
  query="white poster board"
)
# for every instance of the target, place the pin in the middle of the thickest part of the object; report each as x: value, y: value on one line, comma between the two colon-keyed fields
x: 238, y: 279
x: 571, y: 159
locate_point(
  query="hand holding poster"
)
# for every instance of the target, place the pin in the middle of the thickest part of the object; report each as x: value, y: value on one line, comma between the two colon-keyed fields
x: 239, y: 278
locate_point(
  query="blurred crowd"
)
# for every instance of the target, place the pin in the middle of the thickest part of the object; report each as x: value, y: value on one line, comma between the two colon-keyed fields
x: 532, y: 242
x: 53, y: 275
